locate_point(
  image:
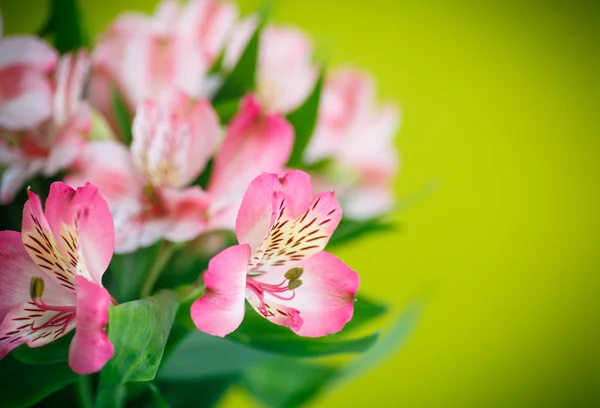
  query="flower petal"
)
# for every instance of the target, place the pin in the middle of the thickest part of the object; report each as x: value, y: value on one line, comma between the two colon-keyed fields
x: 27, y: 51
x: 16, y: 271
x: 42, y: 247
x: 27, y: 323
x: 221, y: 309
x: 297, y: 186
x: 83, y: 226
x: 292, y: 241
x: 187, y: 211
x: 90, y: 348
x: 286, y: 73
x: 254, y: 217
x: 25, y: 98
x: 173, y: 140
x: 254, y: 143
x: 326, y: 297
x: 275, y: 311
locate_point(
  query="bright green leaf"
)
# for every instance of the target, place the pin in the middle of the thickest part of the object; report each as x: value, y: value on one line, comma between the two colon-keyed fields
x: 22, y: 385
x: 55, y: 352
x: 139, y: 332
x: 304, y: 120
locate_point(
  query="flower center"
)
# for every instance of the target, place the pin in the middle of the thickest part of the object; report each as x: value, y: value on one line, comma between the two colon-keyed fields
x: 260, y: 289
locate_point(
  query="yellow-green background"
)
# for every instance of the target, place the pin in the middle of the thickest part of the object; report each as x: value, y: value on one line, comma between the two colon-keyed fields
x: 501, y: 105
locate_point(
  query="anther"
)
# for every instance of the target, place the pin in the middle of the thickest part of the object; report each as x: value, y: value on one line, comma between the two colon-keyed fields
x: 294, y: 284
x: 36, y: 287
x: 293, y: 273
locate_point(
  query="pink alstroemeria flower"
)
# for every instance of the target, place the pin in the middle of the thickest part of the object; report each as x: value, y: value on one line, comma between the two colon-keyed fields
x: 53, y: 145
x: 25, y: 89
x: 280, y: 266
x: 146, y: 185
x: 357, y: 137
x: 286, y: 74
x: 51, y: 276
x: 142, y: 56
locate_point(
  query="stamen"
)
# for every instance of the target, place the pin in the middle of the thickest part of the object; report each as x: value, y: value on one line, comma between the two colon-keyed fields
x: 294, y: 273
x: 36, y: 288
x: 294, y: 284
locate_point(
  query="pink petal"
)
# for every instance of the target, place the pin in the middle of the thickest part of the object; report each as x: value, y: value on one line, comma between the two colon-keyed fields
x: 326, y: 297
x: 71, y: 74
x: 209, y: 23
x: 81, y: 221
x: 25, y: 98
x: 254, y: 143
x: 292, y: 241
x: 187, y: 211
x: 90, y: 348
x: 348, y: 97
x: 275, y: 310
x: 16, y: 271
x: 254, y: 217
x: 297, y: 186
x: 26, y: 323
x: 286, y: 73
x: 109, y: 166
x: 173, y: 140
x: 221, y: 309
x: 40, y: 243
x: 27, y: 51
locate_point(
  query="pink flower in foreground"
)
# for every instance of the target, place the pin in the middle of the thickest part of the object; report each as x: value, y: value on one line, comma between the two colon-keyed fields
x: 55, y: 143
x: 358, y: 139
x: 142, y: 56
x: 146, y: 185
x: 280, y: 266
x: 286, y: 74
x: 51, y: 276
x: 25, y: 89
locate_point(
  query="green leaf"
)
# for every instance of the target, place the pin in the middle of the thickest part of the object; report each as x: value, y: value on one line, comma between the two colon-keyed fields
x: 349, y: 230
x: 112, y: 398
x: 55, y: 352
x: 22, y: 385
x: 296, y: 382
x: 227, y: 109
x: 201, y: 356
x: 159, y: 401
x: 66, y: 26
x: 256, y: 332
x: 122, y: 116
x: 138, y: 330
x: 304, y: 120
x: 391, y: 342
x: 128, y: 271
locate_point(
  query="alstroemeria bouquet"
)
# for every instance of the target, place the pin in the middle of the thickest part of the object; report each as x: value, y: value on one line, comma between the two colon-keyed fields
x: 167, y: 197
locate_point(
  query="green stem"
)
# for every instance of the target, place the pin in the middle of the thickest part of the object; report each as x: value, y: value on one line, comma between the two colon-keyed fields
x: 84, y: 392
x: 157, y: 267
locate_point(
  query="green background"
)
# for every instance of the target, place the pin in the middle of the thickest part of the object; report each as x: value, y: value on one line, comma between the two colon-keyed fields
x: 501, y: 112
